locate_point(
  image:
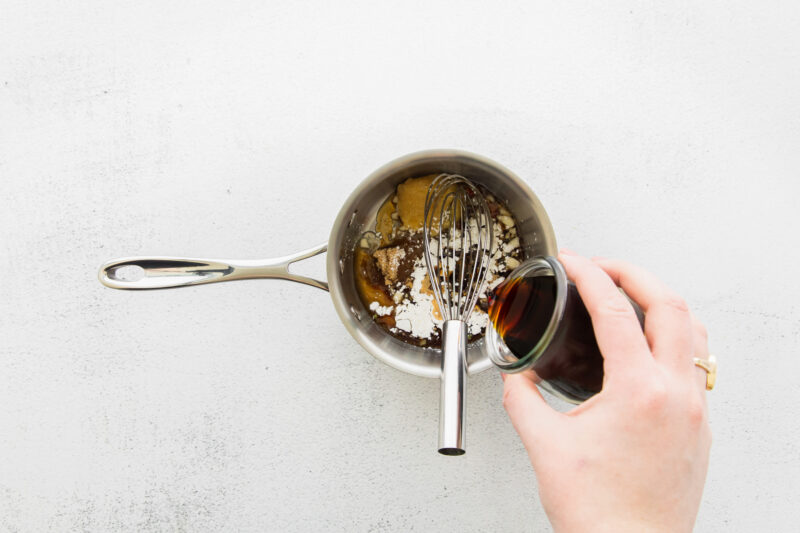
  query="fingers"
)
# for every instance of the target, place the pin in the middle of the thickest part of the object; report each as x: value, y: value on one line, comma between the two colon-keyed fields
x: 530, y: 415
x: 616, y: 328
x: 668, y: 325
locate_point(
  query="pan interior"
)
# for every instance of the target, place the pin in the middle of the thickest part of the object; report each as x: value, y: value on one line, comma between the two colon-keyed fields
x: 358, y: 215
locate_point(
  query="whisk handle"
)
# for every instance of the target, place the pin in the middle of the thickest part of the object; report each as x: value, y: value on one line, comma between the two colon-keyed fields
x: 454, y: 381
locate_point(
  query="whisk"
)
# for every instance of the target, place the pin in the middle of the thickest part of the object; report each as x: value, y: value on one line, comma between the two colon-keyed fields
x: 458, y: 241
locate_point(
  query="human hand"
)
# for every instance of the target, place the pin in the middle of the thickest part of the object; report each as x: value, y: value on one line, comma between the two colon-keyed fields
x: 634, y: 456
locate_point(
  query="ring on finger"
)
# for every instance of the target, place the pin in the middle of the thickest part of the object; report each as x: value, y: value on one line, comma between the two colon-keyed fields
x: 710, y: 366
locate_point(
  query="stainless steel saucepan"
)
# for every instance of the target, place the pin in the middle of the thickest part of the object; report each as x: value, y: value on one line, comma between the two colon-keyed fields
x: 356, y: 216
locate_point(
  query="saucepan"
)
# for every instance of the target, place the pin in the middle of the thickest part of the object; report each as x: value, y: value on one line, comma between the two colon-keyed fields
x: 357, y: 215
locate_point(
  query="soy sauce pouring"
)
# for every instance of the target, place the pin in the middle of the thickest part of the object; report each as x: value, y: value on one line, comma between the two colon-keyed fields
x: 540, y: 322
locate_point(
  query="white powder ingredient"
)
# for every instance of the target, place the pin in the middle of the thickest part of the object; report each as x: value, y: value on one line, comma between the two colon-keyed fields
x: 493, y: 279
x: 415, y: 315
x: 477, y: 321
x: 414, y: 310
x: 380, y: 310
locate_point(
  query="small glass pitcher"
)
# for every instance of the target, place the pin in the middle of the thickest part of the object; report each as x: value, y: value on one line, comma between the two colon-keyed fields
x: 539, y: 322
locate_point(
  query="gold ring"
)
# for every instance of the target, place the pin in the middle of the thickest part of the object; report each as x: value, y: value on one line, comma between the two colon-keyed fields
x: 710, y: 366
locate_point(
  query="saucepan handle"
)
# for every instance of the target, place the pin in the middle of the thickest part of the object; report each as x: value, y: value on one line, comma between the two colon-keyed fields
x: 142, y: 273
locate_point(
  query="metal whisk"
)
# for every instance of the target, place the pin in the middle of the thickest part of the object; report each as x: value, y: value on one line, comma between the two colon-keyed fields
x: 458, y: 242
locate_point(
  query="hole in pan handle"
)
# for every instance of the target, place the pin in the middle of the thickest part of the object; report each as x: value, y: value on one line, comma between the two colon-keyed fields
x: 144, y: 273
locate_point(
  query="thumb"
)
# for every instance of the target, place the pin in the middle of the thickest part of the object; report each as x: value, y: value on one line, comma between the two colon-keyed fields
x: 530, y: 415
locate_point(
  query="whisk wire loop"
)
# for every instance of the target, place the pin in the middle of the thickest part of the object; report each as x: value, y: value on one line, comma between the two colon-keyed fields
x: 458, y: 224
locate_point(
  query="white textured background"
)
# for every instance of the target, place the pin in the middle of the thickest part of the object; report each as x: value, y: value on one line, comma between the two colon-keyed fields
x: 664, y: 133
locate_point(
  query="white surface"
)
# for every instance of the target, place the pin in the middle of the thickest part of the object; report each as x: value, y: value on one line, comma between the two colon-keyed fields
x: 664, y: 134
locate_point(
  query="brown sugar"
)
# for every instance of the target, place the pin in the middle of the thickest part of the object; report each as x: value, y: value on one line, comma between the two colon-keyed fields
x: 411, y: 201
x: 389, y: 262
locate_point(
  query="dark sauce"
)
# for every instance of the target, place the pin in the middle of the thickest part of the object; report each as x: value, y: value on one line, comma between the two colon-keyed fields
x: 521, y: 310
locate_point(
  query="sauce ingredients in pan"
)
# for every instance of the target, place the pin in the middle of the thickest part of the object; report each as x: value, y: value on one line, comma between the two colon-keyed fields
x: 390, y: 272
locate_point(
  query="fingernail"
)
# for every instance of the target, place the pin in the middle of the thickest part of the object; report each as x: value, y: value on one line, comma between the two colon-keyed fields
x: 567, y: 251
x: 598, y: 258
